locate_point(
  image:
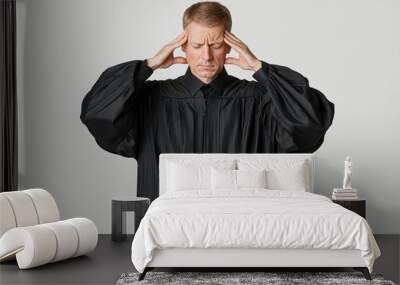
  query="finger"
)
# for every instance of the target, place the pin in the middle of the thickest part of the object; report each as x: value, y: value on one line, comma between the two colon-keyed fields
x: 234, y: 39
x: 184, y: 32
x: 180, y: 59
x: 230, y: 34
x: 239, y: 47
x: 227, y: 33
x: 231, y: 60
x: 181, y: 41
x: 228, y: 41
x: 233, y: 36
x: 234, y: 45
x: 178, y: 38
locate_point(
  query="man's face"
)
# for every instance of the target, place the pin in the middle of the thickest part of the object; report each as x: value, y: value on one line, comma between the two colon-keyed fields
x: 205, y: 50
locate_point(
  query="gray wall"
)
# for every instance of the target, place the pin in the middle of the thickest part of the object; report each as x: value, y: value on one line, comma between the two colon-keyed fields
x: 350, y: 50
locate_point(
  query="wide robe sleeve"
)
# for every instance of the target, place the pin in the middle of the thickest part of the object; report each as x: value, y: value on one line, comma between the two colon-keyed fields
x: 110, y: 110
x: 300, y: 114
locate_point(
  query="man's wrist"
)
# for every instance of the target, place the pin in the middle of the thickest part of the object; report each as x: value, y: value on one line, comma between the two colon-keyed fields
x: 262, y: 74
x: 257, y: 66
x: 150, y: 64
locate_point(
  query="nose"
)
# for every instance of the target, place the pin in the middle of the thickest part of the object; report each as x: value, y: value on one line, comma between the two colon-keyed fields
x: 207, y: 54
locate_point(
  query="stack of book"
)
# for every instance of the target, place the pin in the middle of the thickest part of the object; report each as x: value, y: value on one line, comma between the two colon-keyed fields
x: 344, y: 194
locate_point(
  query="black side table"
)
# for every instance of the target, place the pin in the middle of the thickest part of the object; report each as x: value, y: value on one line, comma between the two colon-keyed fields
x: 122, y: 204
x: 358, y: 206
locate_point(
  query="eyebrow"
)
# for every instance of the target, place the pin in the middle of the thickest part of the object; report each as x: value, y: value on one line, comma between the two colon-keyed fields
x: 215, y: 43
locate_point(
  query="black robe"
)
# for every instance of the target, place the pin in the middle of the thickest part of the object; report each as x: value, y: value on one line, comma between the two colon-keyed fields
x: 134, y: 117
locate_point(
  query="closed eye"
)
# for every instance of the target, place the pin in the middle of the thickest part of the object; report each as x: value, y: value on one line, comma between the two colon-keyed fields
x: 213, y: 46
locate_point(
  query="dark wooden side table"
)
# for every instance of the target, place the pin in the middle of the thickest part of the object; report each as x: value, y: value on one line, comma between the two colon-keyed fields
x: 122, y: 204
x: 358, y: 206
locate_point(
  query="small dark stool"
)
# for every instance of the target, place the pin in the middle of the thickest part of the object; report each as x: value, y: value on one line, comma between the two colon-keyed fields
x: 122, y: 204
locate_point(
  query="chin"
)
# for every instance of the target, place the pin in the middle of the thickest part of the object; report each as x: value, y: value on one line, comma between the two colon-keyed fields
x: 211, y: 71
x: 207, y: 74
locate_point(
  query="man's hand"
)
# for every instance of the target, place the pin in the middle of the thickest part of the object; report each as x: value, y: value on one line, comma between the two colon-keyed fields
x: 165, y: 57
x: 247, y: 60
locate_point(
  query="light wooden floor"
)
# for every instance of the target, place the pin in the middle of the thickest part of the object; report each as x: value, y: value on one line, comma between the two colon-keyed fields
x: 111, y: 259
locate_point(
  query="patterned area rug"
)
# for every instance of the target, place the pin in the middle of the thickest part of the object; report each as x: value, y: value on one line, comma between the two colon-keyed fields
x: 242, y: 278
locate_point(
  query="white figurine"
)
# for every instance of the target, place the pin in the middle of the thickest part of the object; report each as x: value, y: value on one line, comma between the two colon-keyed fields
x: 347, y: 173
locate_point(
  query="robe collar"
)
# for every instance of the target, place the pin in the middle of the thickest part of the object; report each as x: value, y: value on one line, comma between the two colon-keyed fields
x: 193, y: 83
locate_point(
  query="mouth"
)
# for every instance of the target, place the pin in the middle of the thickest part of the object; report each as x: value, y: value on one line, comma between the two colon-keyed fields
x: 206, y: 66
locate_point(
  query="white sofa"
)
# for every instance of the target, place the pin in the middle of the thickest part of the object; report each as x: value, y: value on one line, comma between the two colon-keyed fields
x: 31, y: 231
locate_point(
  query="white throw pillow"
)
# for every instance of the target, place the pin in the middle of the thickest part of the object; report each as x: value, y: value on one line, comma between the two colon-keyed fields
x: 237, y: 179
x: 288, y: 179
x: 223, y: 179
x: 282, y: 174
x: 187, y: 177
x: 189, y: 174
x: 251, y: 178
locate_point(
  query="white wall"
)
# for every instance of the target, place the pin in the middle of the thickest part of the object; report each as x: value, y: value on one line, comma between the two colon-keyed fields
x: 350, y: 50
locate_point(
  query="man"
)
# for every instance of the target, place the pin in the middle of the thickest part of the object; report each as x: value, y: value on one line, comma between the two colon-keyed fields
x: 206, y: 110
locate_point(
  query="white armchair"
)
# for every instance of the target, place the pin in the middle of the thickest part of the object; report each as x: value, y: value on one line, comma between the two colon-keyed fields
x: 31, y: 231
